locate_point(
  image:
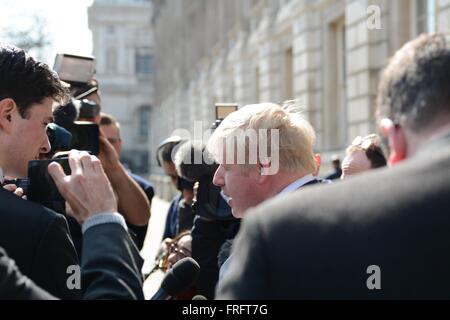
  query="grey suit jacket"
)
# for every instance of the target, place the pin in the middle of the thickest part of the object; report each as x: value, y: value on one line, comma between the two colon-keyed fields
x: 327, y: 242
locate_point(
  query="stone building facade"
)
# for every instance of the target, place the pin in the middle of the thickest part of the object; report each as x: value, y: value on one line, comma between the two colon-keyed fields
x: 326, y: 53
x: 123, y: 47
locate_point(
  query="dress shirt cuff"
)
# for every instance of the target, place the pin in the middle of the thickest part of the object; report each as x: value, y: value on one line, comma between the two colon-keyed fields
x: 101, y: 218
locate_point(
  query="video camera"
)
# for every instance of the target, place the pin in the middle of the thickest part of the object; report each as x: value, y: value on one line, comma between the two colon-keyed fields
x: 82, y: 135
x: 39, y: 186
x: 78, y: 71
x: 42, y: 188
x: 66, y: 133
x: 209, y: 203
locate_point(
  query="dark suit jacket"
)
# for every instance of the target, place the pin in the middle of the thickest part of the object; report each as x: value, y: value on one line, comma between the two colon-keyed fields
x: 111, y: 264
x: 139, y: 232
x: 38, y: 240
x: 14, y: 285
x: 110, y: 270
x: 319, y: 242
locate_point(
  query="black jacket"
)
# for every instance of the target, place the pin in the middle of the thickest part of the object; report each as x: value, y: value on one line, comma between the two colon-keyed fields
x: 110, y: 270
x: 38, y: 240
x: 320, y: 243
x: 111, y: 264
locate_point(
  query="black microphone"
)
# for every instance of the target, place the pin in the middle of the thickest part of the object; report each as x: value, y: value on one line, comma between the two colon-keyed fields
x: 182, y: 275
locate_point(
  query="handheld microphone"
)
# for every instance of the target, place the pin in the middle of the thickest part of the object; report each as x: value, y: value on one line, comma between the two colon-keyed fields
x: 182, y: 275
x: 199, y: 297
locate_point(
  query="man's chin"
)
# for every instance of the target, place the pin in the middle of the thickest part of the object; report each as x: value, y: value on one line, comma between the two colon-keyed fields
x: 15, y: 174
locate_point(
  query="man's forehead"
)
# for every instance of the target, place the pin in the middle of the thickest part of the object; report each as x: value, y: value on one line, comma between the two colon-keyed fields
x: 110, y: 128
x: 42, y: 110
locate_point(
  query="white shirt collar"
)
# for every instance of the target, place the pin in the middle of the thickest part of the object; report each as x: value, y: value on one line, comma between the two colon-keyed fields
x: 1, y: 176
x: 297, y: 184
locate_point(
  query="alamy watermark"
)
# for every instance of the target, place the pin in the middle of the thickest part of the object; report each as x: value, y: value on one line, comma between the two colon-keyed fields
x: 243, y: 147
x: 74, y: 279
x: 374, y: 280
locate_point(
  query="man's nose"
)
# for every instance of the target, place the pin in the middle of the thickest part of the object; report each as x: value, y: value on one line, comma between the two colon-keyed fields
x: 218, y: 177
x: 45, y: 147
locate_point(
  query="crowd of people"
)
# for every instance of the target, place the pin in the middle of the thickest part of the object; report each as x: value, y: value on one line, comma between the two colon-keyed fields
x: 253, y: 212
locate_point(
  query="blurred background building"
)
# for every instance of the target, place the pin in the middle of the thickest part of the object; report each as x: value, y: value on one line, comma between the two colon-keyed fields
x: 326, y: 53
x: 123, y: 47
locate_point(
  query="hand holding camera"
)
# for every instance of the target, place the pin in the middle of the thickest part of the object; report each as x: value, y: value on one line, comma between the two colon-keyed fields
x: 107, y: 154
x: 87, y: 189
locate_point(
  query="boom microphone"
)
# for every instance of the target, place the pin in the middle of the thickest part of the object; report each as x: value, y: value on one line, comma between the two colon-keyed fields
x: 193, y: 161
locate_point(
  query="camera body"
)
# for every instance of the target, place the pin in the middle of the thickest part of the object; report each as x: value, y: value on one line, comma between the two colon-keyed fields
x: 39, y: 186
x: 85, y: 137
x: 42, y: 188
x: 60, y: 139
x: 81, y: 135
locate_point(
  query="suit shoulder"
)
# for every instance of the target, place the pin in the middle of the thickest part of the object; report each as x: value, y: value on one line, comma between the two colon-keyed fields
x: 18, y: 210
x: 364, y: 198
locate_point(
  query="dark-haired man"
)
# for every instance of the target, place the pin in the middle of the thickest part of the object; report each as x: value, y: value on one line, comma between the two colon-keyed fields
x: 111, y: 264
x: 35, y: 237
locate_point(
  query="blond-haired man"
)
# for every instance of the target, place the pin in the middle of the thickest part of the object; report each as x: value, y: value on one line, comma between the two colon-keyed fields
x: 264, y: 150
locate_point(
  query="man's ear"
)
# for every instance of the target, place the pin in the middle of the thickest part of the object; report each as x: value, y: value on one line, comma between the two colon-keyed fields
x: 397, y: 141
x: 263, y: 170
x: 7, y: 108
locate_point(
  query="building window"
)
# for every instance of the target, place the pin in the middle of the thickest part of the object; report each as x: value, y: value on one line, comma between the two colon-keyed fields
x: 288, y: 75
x: 144, y: 122
x: 111, y: 30
x: 144, y: 63
x: 144, y: 162
x: 424, y: 16
x: 336, y: 112
x: 111, y: 60
x: 341, y: 63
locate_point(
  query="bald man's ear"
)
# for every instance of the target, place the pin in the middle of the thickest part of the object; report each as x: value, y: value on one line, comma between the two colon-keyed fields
x: 397, y: 141
x: 7, y: 108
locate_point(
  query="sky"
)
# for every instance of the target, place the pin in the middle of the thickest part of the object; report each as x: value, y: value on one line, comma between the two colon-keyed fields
x: 67, y: 23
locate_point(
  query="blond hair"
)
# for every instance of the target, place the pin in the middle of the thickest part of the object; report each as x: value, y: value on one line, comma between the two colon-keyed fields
x: 295, y: 134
